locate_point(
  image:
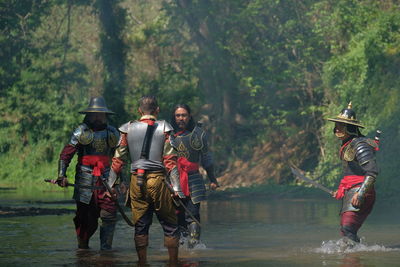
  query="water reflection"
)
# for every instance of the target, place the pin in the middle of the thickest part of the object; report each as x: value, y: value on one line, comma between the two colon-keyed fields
x: 239, y: 232
x: 351, y: 260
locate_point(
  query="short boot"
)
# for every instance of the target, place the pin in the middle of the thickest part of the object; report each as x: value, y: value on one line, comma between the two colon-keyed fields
x: 172, y: 244
x: 141, y: 243
x: 194, y: 234
x: 83, y: 243
x: 106, y: 235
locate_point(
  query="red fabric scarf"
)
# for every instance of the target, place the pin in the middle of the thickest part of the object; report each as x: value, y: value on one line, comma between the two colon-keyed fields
x: 184, y: 167
x: 348, y: 182
x: 98, y: 162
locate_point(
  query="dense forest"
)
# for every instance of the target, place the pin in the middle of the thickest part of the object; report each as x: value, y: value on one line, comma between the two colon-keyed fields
x: 262, y: 76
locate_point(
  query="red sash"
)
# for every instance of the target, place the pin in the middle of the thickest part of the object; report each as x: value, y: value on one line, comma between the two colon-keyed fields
x: 98, y: 162
x: 348, y: 182
x: 184, y: 167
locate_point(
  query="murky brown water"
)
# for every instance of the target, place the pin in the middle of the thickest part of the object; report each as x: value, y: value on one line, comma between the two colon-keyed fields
x: 237, y: 232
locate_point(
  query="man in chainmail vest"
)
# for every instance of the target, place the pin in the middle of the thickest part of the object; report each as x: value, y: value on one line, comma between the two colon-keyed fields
x: 95, y: 142
x: 359, y: 172
x: 191, y: 143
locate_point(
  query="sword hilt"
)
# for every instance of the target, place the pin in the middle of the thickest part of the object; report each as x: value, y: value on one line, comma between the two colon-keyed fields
x: 377, y: 135
x: 377, y: 138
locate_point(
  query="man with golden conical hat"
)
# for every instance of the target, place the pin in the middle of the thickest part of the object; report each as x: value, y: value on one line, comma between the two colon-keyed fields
x: 359, y: 172
x: 95, y: 141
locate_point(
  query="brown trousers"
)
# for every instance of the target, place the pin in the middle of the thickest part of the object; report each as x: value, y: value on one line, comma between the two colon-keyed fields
x: 155, y: 195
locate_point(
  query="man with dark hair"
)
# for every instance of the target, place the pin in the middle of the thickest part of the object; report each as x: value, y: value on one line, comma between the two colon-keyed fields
x: 95, y: 142
x: 190, y: 141
x: 359, y: 171
x: 147, y: 142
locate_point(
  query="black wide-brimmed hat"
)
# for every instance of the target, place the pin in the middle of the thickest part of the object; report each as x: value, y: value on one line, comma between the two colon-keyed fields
x: 348, y: 116
x: 97, y: 104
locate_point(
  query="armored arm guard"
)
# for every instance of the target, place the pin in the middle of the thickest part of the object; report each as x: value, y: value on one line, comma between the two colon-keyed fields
x: 175, y: 182
x: 365, y: 187
x: 211, y: 175
x: 69, y: 151
x: 366, y: 158
x: 207, y: 159
x: 62, y: 168
x: 112, y: 178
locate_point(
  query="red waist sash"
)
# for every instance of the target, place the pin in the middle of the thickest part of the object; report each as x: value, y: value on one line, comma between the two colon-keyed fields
x: 184, y: 167
x: 348, y: 182
x: 98, y: 162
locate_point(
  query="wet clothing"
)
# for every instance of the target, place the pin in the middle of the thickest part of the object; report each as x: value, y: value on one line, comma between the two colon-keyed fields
x: 94, y: 148
x: 351, y: 221
x: 360, y: 171
x: 152, y: 157
x: 193, y: 152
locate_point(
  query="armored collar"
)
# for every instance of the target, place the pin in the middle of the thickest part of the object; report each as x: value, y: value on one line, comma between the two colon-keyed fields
x: 148, y: 117
x: 347, y: 151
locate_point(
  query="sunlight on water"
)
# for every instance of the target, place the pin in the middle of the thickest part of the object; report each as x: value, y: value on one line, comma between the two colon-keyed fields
x: 344, y: 245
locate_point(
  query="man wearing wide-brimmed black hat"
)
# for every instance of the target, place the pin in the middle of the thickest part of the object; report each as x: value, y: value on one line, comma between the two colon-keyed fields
x: 359, y: 172
x: 95, y: 141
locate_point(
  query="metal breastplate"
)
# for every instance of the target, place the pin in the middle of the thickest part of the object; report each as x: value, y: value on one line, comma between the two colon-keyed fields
x: 94, y: 142
x: 99, y: 144
x: 189, y: 146
x: 135, y: 136
x: 352, y: 168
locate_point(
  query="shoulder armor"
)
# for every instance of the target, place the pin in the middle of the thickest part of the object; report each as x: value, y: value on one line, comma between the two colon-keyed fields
x: 360, y: 147
x: 124, y: 127
x: 365, y: 150
x: 113, y: 136
x: 167, y: 127
x: 82, y: 135
x: 197, y: 138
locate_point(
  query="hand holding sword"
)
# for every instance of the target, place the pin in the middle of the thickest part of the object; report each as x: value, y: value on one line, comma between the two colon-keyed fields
x: 61, y: 181
x: 179, y: 202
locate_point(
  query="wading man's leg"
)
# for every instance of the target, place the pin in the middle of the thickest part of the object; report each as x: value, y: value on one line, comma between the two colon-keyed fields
x: 85, y: 222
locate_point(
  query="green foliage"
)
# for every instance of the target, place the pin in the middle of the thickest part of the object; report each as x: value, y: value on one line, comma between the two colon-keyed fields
x: 366, y: 74
x: 256, y: 72
x: 38, y: 107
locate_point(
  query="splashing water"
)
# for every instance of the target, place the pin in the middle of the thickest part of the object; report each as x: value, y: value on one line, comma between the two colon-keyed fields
x: 345, y: 245
x: 184, y: 244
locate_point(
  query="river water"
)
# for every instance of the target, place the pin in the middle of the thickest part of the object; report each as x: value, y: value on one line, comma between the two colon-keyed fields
x: 236, y: 232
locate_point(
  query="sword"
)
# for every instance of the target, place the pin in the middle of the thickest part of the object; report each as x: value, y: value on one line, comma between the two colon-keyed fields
x: 54, y: 181
x: 181, y: 203
x: 298, y: 174
x: 120, y: 209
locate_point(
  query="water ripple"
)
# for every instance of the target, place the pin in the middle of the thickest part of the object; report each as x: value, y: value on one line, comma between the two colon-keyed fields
x: 344, y: 245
